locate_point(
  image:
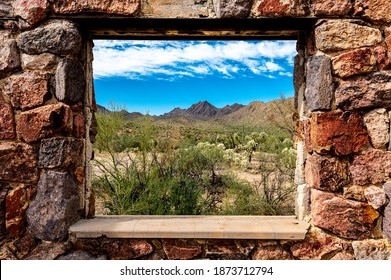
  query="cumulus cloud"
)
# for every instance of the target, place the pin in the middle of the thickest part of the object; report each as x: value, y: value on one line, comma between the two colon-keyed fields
x: 176, y: 59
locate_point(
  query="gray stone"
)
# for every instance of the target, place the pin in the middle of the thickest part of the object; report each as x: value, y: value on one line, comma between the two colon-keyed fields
x: 82, y: 256
x: 387, y: 212
x: 9, y: 55
x: 56, y: 36
x: 372, y: 250
x: 55, y: 207
x: 232, y: 8
x: 365, y: 92
x: 378, y: 126
x: 319, y: 91
x: 329, y: 37
x: 70, y: 81
x: 47, y: 251
x: 60, y: 152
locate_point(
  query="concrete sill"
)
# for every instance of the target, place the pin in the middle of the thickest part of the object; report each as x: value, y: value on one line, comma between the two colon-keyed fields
x: 192, y: 227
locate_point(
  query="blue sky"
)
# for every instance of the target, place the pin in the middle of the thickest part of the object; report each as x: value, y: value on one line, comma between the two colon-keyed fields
x: 156, y: 76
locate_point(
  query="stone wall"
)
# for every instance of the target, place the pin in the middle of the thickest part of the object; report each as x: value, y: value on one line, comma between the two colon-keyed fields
x: 343, y: 98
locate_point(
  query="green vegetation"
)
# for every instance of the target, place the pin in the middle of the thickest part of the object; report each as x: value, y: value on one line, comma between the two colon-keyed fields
x: 154, y: 166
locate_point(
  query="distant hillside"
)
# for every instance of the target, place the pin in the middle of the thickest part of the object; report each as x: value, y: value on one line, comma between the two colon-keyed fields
x: 204, y: 110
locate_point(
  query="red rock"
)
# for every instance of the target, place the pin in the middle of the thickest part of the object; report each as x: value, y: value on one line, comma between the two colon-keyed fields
x: 316, y: 246
x: 47, y: 251
x: 117, y: 7
x: 307, y: 135
x: 355, y: 62
x: 371, y: 167
x: 127, y: 249
x: 375, y: 10
x: 382, y: 60
x: 28, y: 89
x: 44, y: 122
x: 7, y: 123
x: 79, y: 174
x: 24, y: 245
x: 272, y: 252
x: 341, y: 133
x: 344, y: 218
x: 331, y: 7
x: 362, y: 92
x: 343, y: 256
x: 79, y: 128
x: 16, y: 205
x: 229, y: 249
x: 180, y: 250
x: 327, y: 174
x: 387, y: 33
x: 32, y: 11
x: 386, y: 227
x: 18, y: 163
x: 272, y: 8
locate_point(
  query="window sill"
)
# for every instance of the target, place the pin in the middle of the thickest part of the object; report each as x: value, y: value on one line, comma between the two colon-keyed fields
x: 192, y: 227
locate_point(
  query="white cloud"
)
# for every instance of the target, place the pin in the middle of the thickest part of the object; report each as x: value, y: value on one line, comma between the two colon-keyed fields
x: 142, y: 59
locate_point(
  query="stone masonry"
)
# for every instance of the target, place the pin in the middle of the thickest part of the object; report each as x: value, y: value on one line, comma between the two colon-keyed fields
x: 343, y: 100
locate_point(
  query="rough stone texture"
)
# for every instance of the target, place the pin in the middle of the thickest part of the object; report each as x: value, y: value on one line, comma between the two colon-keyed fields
x: 345, y: 218
x: 272, y: 252
x: 70, y: 81
x: 55, y: 207
x: 56, y: 36
x: 60, y: 152
x: 319, y: 88
x: 24, y: 245
x: 47, y: 251
x: 343, y: 256
x: 175, y: 9
x: 28, y: 89
x: 329, y: 37
x: 16, y: 205
x: 82, y: 256
x: 372, y: 249
x: 382, y: 59
x: 18, y: 163
x: 9, y: 55
x: 355, y: 192
x: 232, y: 8
x: 117, y: 249
x: 32, y: 11
x: 44, y: 121
x: 331, y: 7
x: 180, y: 249
x: 298, y: 74
x: 270, y: 8
x: 340, y: 133
x: 229, y: 249
x: 7, y: 123
x: 387, y: 212
x: 79, y: 128
x: 317, y: 246
x: 355, y: 62
x: 378, y: 126
x: 375, y: 10
x: 365, y: 92
x: 6, y: 8
x: 116, y: 7
x: 303, y: 201
x: 376, y: 196
x: 387, y: 34
x: 371, y: 167
x: 46, y: 61
x: 327, y: 174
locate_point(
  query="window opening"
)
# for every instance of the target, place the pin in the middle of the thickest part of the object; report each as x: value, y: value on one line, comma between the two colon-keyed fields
x: 194, y: 127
